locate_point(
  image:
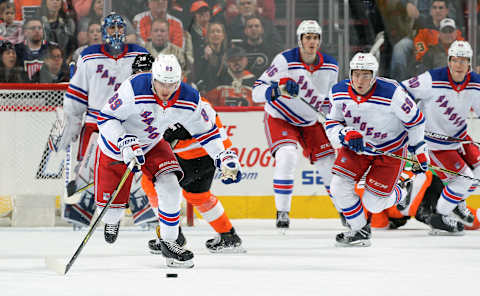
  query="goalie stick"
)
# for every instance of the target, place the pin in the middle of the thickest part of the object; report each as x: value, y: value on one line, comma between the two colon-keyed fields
x: 433, y: 167
x: 60, y: 268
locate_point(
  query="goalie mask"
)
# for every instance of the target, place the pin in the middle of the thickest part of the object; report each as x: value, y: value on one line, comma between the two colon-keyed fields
x: 115, y: 39
x: 364, y: 61
x: 167, y: 71
x: 308, y: 27
x: 142, y: 63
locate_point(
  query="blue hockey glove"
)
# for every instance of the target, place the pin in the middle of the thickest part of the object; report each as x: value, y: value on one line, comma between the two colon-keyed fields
x: 421, y: 153
x: 227, y: 162
x: 291, y: 87
x: 273, y: 92
x: 130, y: 148
x: 352, y: 139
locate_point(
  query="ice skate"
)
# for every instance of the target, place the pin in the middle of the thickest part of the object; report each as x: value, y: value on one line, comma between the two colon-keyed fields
x: 283, y: 221
x: 445, y: 225
x: 111, y: 232
x: 407, y: 184
x: 463, y: 214
x: 154, y: 244
x: 227, y: 242
x: 175, y: 255
x: 351, y: 238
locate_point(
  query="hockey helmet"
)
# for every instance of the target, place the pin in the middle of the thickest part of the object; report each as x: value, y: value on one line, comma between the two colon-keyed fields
x: 460, y: 49
x: 142, y: 63
x: 166, y: 69
x: 306, y: 27
x: 364, y: 61
x: 117, y: 39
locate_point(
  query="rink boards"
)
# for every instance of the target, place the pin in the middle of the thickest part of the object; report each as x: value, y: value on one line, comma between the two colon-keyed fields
x: 26, y: 133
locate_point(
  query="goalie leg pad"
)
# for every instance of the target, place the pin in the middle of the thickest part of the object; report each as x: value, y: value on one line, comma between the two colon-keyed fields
x: 82, y: 212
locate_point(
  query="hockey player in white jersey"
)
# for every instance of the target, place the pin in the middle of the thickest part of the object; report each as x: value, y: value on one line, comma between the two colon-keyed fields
x: 446, y: 97
x: 306, y: 72
x: 131, y: 127
x: 100, y: 70
x: 371, y: 113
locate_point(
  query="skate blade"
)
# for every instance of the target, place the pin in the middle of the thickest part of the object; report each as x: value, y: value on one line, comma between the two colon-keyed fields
x: 229, y: 250
x: 439, y: 232
x: 172, y: 263
x: 357, y: 244
x: 462, y: 221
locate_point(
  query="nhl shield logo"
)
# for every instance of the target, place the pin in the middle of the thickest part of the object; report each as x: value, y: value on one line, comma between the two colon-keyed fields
x: 343, y: 160
x: 284, y: 133
x: 457, y: 165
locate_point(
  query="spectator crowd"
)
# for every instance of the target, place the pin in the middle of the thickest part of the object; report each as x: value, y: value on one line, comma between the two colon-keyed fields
x: 222, y: 45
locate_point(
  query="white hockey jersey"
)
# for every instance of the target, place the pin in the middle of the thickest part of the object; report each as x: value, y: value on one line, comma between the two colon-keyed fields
x: 97, y: 77
x: 314, y: 82
x: 135, y: 110
x: 446, y: 104
x: 386, y: 116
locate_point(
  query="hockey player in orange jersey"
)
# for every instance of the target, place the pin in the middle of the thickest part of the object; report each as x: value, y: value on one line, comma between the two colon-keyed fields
x: 424, y: 196
x: 199, y: 171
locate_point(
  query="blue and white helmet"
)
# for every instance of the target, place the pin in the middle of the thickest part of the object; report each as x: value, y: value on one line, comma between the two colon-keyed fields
x: 117, y: 40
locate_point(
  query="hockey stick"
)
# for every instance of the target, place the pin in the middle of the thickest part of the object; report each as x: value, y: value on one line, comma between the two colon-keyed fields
x: 62, y: 269
x: 433, y: 167
x: 449, y: 139
x: 284, y: 92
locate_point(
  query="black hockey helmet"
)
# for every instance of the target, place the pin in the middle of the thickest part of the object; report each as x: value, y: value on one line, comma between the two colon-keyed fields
x: 142, y: 62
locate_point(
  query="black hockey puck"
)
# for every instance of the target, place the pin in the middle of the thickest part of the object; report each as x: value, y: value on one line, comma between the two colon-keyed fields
x: 172, y: 275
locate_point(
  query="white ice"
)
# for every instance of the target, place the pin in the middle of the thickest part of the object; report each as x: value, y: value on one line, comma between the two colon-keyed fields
x: 302, y: 262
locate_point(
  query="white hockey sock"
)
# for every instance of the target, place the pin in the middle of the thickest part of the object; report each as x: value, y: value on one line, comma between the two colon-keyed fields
x: 169, y: 199
x: 286, y: 159
x: 375, y: 203
x: 324, y: 169
x: 343, y: 191
x: 455, y: 192
x: 112, y: 216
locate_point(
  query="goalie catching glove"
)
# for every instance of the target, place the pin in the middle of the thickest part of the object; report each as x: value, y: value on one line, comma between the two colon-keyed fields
x: 65, y: 131
x: 227, y: 162
x: 131, y: 149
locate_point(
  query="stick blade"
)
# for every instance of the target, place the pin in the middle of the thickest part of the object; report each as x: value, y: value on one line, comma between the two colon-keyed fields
x: 55, y: 265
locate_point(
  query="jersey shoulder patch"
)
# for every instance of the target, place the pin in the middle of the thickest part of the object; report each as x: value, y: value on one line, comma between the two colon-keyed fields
x: 385, y: 88
x: 341, y: 86
x: 474, y: 77
x: 188, y: 94
x: 141, y: 84
x: 291, y: 55
x: 439, y: 74
x: 327, y: 59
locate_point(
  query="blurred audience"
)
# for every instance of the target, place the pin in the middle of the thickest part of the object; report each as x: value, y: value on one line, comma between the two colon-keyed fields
x: 437, y: 54
x: 95, y: 14
x: 54, y: 68
x: 260, y: 53
x: 160, y: 44
x: 209, y: 66
x: 198, y: 28
x: 31, y: 52
x: 236, y: 27
x: 234, y: 82
x: 58, y: 26
x: 25, y: 9
x: 158, y: 10
x: 10, y: 29
x: 9, y: 71
x: 94, y: 36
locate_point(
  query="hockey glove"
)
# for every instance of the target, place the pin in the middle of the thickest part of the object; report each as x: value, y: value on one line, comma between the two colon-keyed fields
x: 273, y: 92
x: 130, y: 148
x: 351, y: 139
x: 421, y: 153
x: 176, y: 132
x: 65, y: 131
x: 227, y: 162
x: 290, y: 86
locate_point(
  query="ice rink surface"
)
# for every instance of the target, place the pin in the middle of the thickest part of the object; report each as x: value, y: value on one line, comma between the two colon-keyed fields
x: 302, y: 262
